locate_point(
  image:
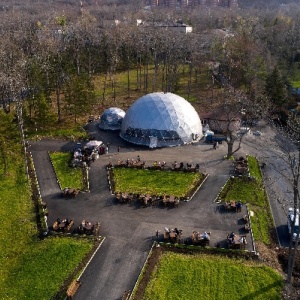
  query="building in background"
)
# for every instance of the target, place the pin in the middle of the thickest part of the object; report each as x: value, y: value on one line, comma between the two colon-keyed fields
x: 192, y: 3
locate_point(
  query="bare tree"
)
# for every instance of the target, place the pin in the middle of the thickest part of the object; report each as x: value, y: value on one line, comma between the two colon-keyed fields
x: 235, y: 109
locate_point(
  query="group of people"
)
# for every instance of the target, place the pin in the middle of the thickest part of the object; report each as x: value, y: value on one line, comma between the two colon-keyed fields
x: 61, y: 224
x: 231, y: 238
x: 86, y: 227
x: 188, y: 166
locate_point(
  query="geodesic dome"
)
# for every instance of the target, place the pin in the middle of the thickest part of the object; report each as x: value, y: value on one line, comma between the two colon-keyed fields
x: 161, y: 120
x: 111, y: 119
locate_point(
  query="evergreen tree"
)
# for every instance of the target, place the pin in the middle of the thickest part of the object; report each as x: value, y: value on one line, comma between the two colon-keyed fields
x: 276, y: 88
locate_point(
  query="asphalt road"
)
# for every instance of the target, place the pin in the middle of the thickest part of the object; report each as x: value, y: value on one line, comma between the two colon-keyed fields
x: 130, y: 229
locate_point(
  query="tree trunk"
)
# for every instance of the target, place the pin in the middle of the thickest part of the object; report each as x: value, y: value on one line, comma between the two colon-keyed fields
x: 292, y: 248
x: 58, y: 104
x: 229, y: 149
x: 104, y: 89
x: 128, y: 77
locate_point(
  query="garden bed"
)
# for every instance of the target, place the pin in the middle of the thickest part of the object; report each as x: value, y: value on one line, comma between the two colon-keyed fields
x: 174, y: 273
x: 181, y: 184
x: 250, y: 190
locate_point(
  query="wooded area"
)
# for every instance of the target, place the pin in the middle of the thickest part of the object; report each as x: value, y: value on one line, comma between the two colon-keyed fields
x: 60, y: 59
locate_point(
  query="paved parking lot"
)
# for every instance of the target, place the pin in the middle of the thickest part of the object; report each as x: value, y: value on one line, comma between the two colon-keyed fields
x: 129, y: 229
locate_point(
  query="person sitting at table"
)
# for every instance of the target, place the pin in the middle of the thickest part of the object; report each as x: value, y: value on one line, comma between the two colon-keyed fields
x: 205, y: 236
x: 231, y: 237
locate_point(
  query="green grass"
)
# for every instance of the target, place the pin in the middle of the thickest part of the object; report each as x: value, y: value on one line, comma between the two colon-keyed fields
x: 41, y: 268
x: 252, y: 192
x: 30, y: 268
x: 154, y: 182
x: 254, y: 168
x: 182, y: 276
x: 295, y: 84
x: 68, y: 176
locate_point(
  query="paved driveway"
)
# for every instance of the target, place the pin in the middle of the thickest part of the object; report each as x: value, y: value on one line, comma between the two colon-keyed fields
x: 129, y: 229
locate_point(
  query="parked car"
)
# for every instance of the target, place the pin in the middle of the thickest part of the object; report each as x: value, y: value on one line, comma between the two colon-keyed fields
x: 211, y: 138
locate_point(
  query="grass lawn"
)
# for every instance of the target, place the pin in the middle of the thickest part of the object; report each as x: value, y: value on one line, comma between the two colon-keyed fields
x: 203, y: 276
x: 40, y: 269
x: 253, y: 193
x: 30, y: 268
x: 67, y: 176
x: 155, y: 182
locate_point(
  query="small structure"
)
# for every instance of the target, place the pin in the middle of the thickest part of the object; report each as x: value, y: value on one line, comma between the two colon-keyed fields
x: 112, y: 119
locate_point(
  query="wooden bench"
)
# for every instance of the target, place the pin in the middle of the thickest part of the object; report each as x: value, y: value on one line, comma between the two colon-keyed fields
x: 73, y: 288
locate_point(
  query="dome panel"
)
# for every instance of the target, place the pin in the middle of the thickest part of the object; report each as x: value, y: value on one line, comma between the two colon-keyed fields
x: 167, y: 118
x: 111, y: 119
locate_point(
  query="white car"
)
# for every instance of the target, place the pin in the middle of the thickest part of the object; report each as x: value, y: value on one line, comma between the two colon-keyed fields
x: 291, y: 219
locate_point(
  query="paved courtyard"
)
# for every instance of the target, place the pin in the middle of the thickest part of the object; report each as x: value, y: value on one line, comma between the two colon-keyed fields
x: 128, y: 228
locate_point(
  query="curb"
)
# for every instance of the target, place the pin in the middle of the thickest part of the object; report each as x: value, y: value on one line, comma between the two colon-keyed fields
x: 87, y: 264
x: 198, y: 188
x: 40, y: 199
x: 142, y: 271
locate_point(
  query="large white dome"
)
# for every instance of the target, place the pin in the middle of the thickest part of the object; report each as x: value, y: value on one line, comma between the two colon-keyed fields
x: 161, y: 120
x: 111, y: 119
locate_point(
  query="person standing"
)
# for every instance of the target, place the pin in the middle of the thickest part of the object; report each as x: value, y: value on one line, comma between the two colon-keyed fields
x: 118, y: 149
x: 157, y: 233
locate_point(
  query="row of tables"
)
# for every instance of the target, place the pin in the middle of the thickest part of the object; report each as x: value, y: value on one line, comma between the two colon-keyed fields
x: 147, y: 199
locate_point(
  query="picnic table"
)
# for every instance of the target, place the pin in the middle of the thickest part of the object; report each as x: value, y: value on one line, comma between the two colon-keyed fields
x: 70, y: 192
x: 231, y: 205
x: 170, y: 201
x: 200, y: 239
x: 237, y: 242
x: 172, y: 235
x: 64, y: 225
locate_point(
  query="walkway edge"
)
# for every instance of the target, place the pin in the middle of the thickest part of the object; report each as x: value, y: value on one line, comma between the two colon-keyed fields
x: 141, y: 272
x: 87, y: 264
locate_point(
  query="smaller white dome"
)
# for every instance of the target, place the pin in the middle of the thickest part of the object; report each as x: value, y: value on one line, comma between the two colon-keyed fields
x: 112, y: 119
